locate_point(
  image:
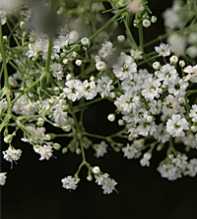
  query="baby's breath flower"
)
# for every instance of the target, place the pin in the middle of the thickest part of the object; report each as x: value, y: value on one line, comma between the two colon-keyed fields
x: 70, y: 182
x: 107, y: 184
x: 177, y: 125
x: 12, y: 154
x: 45, y: 151
x: 163, y: 50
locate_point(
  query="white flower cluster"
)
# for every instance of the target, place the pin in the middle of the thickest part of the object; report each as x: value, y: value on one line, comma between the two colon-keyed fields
x: 107, y: 184
x: 58, y: 78
x: 175, y: 166
x: 12, y: 154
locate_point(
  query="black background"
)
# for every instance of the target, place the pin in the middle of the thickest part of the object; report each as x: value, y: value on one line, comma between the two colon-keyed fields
x: 33, y: 189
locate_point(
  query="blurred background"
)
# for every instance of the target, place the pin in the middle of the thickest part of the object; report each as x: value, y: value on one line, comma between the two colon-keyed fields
x: 33, y: 189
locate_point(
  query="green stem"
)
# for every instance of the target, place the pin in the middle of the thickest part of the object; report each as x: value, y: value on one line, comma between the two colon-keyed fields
x: 110, y: 21
x: 2, y: 50
x: 49, y: 54
x: 141, y: 38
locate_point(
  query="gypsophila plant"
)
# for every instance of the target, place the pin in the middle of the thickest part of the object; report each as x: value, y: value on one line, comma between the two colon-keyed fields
x: 58, y: 58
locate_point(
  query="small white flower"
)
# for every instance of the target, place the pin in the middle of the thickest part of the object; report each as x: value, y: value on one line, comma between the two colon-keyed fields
x: 108, y: 184
x: 2, y: 178
x: 45, y: 151
x: 70, y: 182
x: 100, y: 149
x: 57, y: 70
x: 193, y: 113
x: 177, y: 125
x: 72, y: 89
x: 12, y: 154
x: 163, y: 50
x: 134, y: 150
x: 136, y: 54
x: 106, y: 49
x: 191, y: 168
x: 125, y: 67
x: 173, y: 167
x: 145, y: 161
x: 151, y: 89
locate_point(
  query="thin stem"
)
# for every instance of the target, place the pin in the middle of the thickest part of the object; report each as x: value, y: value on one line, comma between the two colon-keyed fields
x: 141, y: 38
x: 2, y: 50
x: 47, y: 68
x: 129, y: 35
x: 110, y: 21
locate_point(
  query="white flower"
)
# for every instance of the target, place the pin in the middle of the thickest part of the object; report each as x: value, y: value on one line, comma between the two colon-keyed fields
x: 173, y: 167
x: 193, y: 113
x: 151, y: 89
x: 72, y: 89
x: 177, y: 125
x: 167, y: 74
x: 100, y: 149
x: 88, y: 89
x: 163, y: 49
x: 57, y: 70
x: 145, y: 161
x: 134, y: 150
x: 105, y: 86
x: 136, y: 54
x: 12, y: 154
x: 108, y: 184
x: 191, y: 168
x: 45, y: 151
x: 106, y: 49
x: 24, y: 106
x: 190, y: 69
x: 2, y: 178
x: 70, y: 182
x: 125, y: 67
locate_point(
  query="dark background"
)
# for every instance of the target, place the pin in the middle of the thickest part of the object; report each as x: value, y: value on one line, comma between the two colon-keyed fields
x: 34, y: 189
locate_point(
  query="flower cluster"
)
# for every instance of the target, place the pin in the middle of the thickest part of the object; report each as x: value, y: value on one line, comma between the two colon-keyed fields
x: 57, y: 77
